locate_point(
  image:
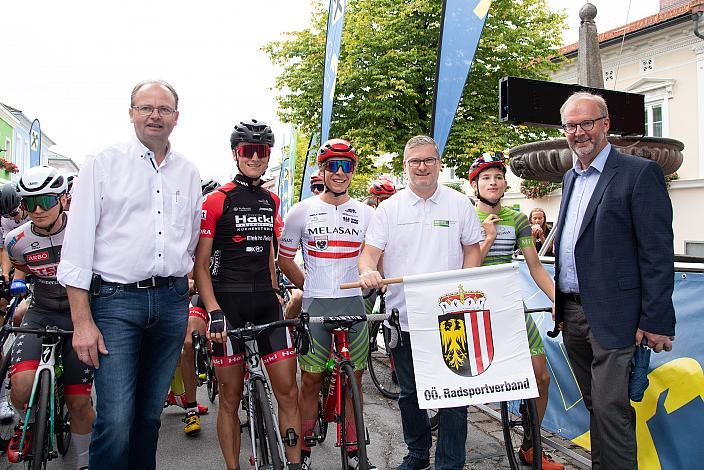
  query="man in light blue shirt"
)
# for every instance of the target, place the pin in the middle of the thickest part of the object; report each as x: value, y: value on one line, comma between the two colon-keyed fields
x: 582, y: 191
x: 614, y: 273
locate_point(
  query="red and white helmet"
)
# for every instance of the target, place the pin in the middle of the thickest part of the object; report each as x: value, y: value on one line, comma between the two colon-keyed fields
x: 336, y: 148
x: 382, y: 187
x: 315, y: 178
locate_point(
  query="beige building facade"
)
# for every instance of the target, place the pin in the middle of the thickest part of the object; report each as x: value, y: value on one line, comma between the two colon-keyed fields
x: 661, y: 58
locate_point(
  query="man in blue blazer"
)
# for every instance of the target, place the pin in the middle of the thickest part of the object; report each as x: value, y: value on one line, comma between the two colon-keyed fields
x: 614, y: 272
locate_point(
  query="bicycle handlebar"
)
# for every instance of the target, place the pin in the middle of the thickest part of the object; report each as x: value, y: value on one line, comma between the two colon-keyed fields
x: 556, y: 328
x: 301, y: 323
x: 46, y: 331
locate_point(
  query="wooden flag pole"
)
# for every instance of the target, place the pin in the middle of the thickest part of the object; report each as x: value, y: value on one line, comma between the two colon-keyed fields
x: 354, y: 285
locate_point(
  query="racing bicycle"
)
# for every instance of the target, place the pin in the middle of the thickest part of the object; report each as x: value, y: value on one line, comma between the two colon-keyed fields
x: 338, y: 381
x: 519, y: 423
x: 47, y: 413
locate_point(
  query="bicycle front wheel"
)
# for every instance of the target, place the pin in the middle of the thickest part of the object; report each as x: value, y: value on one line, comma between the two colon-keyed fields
x: 212, y: 379
x: 349, y: 381
x: 7, y: 426
x: 266, y: 438
x: 40, y: 436
x: 380, y: 363
x: 519, y: 421
x: 62, y: 426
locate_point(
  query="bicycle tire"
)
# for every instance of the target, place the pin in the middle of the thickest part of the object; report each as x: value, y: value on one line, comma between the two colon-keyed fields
x: 267, y: 437
x: 40, y: 436
x: 350, y: 382
x: 434, y: 418
x: 212, y: 380
x: 321, y: 425
x: 515, y: 429
x: 62, y: 426
x: 380, y: 365
x: 7, y: 427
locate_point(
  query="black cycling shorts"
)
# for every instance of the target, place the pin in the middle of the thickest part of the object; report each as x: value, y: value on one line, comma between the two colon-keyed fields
x: 77, y: 377
x: 256, y: 308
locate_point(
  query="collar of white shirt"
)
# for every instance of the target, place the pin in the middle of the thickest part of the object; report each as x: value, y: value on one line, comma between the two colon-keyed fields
x: 414, y: 198
x: 142, y: 151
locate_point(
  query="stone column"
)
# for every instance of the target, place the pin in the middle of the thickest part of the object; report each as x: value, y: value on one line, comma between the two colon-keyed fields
x: 589, y: 71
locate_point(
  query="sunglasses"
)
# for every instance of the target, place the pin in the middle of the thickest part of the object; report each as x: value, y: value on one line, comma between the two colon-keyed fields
x: 335, y: 165
x: 248, y: 150
x: 317, y: 187
x: 30, y: 204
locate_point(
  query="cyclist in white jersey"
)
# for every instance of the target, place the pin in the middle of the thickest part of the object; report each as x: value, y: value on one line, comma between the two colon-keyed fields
x: 330, y: 230
x: 36, y: 248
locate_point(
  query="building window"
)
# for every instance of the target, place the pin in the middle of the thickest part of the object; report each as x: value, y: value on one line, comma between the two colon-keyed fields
x: 647, y: 65
x: 7, y: 154
x: 653, y: 119
x: 694, y: 249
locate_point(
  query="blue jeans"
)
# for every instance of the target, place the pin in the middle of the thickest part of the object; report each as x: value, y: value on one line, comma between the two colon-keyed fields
x: 143, y: 331
x: 452, y: 432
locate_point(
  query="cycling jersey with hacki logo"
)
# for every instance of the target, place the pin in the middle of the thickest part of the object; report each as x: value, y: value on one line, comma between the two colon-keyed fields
x: 243, y: 220
x: 331, y: 238
x: 40, y: 256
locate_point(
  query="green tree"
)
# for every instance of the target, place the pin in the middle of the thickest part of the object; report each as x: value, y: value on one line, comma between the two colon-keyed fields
x: 387, y: 70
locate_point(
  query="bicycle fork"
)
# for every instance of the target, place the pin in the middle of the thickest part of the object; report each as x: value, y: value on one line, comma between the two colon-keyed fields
x: 47, y: 361
x: 256, y: 372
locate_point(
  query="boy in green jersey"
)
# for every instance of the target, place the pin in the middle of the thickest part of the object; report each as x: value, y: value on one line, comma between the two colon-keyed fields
x: 502, y: 228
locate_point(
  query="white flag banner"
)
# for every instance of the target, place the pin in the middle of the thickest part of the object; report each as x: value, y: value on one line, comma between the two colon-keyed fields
x: 468, y: 334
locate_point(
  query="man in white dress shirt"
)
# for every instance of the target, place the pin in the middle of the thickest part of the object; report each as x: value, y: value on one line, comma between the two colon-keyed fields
x: 135, y: 217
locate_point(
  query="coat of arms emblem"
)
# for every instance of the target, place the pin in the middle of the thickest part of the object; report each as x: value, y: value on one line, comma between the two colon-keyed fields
x: 465, y: 332
x: 321, y: 243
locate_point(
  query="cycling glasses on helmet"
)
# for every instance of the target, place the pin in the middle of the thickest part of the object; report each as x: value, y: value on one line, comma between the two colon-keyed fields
x: 335, y: 165
x: 46, y: 202
x: 317, y: 187
x: 248, y: 150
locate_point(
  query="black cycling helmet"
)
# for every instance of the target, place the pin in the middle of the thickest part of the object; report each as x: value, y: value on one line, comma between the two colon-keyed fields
x: 252, y: 132
x: 9, y: 199
x: 208, y: 186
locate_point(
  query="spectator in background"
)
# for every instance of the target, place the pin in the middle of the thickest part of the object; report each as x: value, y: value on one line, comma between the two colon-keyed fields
x: 540, y: 228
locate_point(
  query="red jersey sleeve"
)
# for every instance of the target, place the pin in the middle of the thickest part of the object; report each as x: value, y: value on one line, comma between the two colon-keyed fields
x: 278, y: 221
x: 211, y: 212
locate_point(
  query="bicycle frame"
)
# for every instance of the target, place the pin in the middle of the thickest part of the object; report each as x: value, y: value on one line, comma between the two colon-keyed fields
x: 47, y: 361
x: 254, y: 371
x: 340, y: 353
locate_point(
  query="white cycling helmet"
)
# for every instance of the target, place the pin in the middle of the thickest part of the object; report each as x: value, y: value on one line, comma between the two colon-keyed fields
x: 41, y: 180
x: 71, y: 179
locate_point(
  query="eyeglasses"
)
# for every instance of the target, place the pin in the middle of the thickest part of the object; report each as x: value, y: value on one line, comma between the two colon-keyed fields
x: 46, y: 202
x: 430, y: 161
x: 335, y: 165
x: 248, y: 150
x: 317, y: 187
x: 586, y: 125
x: 147, y: 110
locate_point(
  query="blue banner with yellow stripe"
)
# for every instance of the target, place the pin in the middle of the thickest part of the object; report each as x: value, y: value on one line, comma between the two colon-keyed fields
x: 670, y: 417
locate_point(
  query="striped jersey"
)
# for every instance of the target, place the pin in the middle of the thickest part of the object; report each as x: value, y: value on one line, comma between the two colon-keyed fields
x: 331, y: 239
x: 512, y: 227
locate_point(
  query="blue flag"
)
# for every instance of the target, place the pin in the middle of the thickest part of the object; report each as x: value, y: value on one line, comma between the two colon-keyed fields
x: 35, y: 144
x: 310, y: 165
x: 286, y: 176
x: 461, y: 28
x: 336, y: 20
